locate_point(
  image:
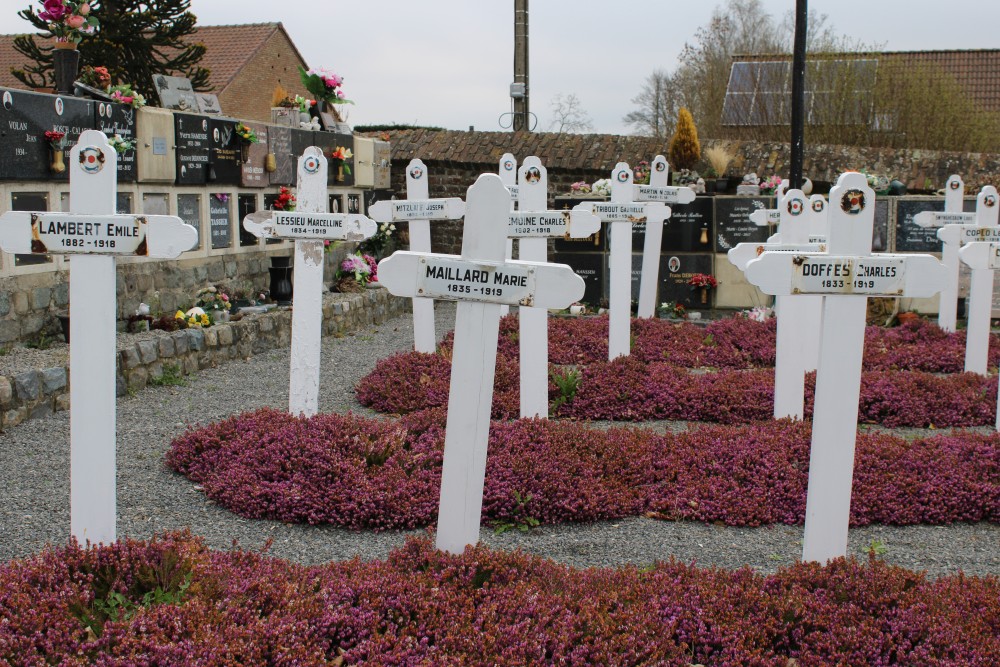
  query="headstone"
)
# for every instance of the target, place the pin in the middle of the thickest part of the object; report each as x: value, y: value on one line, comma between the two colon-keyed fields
x: 192, y: 138
x: 24, y: 152
x: 418, y: 210
x: 480, y: 280
x: 691, y: 227
x: 188, y: 210
x: 676, y: 269
x: 252, y: 171
x: 94, y: 235
x: 208, y: 103
x: 953, y: 203
x: 224, y: 158
x: 309, y: 225
x: 657, y: 191
x: 112, y: 119
x: 981, y: 256
x: 220, y: 220
x: 175, y: 92
x: 733, y: 224
x: 622, y: 212
x: 846, y: 277
x: 911, y: 234
x: 533, y: 225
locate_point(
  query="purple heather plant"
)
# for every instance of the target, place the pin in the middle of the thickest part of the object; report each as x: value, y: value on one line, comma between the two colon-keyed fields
x: 482, y: 607
x: 363, y: 473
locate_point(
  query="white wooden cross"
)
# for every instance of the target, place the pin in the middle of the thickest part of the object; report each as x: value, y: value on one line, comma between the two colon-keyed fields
x: 621, y: 212
x: 480, y: 280
x: 508, y: 174
x: 846, y: 277
x: 953, y: 214
x: 94, y: 235
x: 656, y: 191
x: 310, y: 226
x: 418, y: 210
x: 981, y: 256
x: 533, y: 225
x: 798, y: 315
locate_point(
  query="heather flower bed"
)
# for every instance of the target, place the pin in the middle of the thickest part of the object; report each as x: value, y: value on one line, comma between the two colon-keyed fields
x: 739, y: 343
x: 628, y: 389
x: 362, y: 473
x: 173, y: 602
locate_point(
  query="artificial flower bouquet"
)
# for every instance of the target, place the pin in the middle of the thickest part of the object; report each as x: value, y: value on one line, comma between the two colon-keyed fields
x: 68, y: 21
x: 705, y: 280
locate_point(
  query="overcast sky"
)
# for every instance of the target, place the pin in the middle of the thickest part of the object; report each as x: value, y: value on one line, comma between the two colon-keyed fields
x: 450, y: 62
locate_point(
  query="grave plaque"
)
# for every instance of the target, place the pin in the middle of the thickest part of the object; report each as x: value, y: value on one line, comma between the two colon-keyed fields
x: 219, y: 220
x: 192, y: 139
x: 252, y: 171
x: 341, y: 171
x: 175, y: 92
x: 24, y: 152
x: 301, y: 140
x: 636, y: 275
x: 733, y: 224
x: 112, y: 119
x: 224, y: 154
x: 208, y: 103
x: 29, y: 201
x: 911, y: 237
x: 880, y: 230
x: 596, y: 242
x: 383, y: 160
x: 691, y: 227
x: 675, y: 272
x: 590, y: 267
x: 123, y: 202
x: 189, y: 210
x: 245, y: 205
x: 280, y: 143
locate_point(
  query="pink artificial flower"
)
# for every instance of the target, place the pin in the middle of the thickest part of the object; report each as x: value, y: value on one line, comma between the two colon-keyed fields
x: 83, y: 9
x: 54, y: 10
x: 333, y: 81
x: 75, y: 21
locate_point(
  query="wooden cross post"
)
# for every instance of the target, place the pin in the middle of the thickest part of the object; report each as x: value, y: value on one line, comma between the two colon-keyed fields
x: 622, y: 212
x: 658, y: 191
x: 533, y: 225
x: 953, y: 214
x: 418, y: 210
x: 480, y: 280
x: 981, y: 256
x: 508, y: 174
x: 846, y: 277
x: 94, y: 235
x: 310, y: 226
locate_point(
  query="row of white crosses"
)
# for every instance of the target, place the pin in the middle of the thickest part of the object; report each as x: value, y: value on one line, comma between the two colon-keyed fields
x: 94, y: 235
x: 975, y: 231
x: 481, y: 281
x: 310, y: 227
x: 845, y: 276
x: 418, y: 210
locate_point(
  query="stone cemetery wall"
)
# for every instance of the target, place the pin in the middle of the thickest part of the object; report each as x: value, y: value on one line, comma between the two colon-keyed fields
x: 700, y: 233
x: 183, y: 164
x: 143, y: 358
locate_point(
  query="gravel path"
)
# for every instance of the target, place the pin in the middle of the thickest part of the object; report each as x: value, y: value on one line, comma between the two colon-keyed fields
x: 34, y: 495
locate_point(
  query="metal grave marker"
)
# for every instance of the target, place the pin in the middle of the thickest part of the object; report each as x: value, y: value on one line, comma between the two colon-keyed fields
x: 418, y: 210
x: 656, y: 191
x: 532, y: 225
x: 310, y: 226
x: 95, y: 236
x: 480, y: 280
x: 953, y: 215
x: 621, y: 212
x: 845, y: 277
x: 981, y: 256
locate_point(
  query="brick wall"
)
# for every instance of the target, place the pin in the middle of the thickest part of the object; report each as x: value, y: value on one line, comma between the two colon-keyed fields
x: 251, y: 91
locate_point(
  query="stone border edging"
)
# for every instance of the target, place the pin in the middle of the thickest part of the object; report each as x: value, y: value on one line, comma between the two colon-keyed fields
x: 40, y: 392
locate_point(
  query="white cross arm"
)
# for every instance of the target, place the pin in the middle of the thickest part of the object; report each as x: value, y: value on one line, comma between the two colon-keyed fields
x: 160, y: 236
x: 813, y: 238
x: 403, y: 210
x: 630, y: 212
x: 575, y: 224
x: 664, y: 193
x: 744, y: 253
x: 939, y: 219
x: 301, y: 225
x: 764, y: 217
x: 967, y: 233
x: 981, y: 255
x: 451, y: 278
x: 888, y: 275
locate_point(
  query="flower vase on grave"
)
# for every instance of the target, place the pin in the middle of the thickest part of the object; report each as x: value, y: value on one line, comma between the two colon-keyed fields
x: 65, y: 66
x: 270, y: 163
x: 281, y: 284
x: 704, y: 295
x: 339, y: 177
x: 56, y: 164
x: 244, y: 151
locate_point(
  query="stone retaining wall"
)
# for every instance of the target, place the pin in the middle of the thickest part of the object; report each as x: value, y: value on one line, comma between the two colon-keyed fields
x: 143, y: 358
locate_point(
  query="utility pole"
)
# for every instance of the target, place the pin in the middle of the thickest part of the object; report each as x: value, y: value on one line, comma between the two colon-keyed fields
x: 798, y: 94
x: 519, y: 89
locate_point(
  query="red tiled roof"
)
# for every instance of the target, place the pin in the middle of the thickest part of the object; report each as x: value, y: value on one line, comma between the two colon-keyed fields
x: 228, y: 48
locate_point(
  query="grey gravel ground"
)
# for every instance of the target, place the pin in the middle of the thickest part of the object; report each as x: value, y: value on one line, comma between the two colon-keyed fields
x: 34, y: 493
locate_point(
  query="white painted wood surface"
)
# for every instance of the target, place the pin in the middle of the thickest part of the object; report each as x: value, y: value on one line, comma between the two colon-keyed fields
x: 659, y: 177
x: 474, y: 354
x: 792, y: 326
x: 980, y: 303
x: 508, y: 175
x: 948, y: 303
x: 533, y: 187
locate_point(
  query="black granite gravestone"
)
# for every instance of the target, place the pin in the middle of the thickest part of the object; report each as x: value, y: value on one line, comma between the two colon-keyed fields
x: 590, y: 267
x: 224, y: 151
x: 112, y: 119
x: 189, y: 210
x: 219, y: 220
x: 733, y: 224
x: 596, y: 242
x: 245, y: 205
x: 910, y: 237
x: 26, y: 116
x: 280, y: 141
x: 191, y: 136
x: 675, y: 271
x: 301, y: 140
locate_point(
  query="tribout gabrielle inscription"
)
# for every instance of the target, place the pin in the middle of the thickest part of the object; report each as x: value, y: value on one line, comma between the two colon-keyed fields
x: 611, y: 211
x: 454, y: 279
